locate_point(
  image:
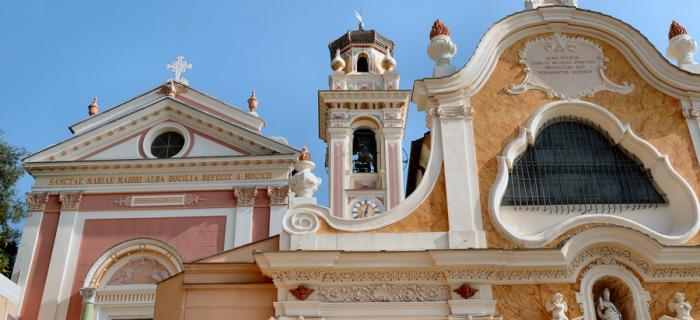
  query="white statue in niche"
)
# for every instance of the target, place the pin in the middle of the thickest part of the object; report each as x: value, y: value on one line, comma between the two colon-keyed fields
x: 558, y: 307
x: 606, y: 309
x: 680, y: 306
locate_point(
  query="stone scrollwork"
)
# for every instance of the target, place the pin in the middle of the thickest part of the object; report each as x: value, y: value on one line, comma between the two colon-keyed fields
x: 565, y: 67
x: 691, y: 113
x: 384, y: 293
x: 300, y: 222
x: 460, y: 112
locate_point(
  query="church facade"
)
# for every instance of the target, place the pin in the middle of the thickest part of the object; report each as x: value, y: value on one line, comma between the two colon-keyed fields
x: 558, y: 179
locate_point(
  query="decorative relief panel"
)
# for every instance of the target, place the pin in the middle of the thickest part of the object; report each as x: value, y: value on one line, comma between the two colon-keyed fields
x: 159, y: 200
x: 565, y: 67
x: 141, y: 271
x: 385, y: 293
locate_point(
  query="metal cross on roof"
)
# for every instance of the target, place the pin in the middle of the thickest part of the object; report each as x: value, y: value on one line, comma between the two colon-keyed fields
x: 179, y: 66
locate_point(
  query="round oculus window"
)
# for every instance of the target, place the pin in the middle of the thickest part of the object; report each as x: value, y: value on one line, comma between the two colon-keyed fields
x: 167, y: 144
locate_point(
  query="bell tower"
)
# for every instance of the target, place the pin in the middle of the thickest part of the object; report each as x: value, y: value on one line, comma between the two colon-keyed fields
x: 362, y: 119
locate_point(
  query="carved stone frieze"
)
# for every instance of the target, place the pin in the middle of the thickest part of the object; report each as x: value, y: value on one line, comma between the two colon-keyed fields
x: 165, y: 200
x: 384, y: 293
x: 302, y: 292
x: 245, y: 197
x: 279, y: 196
x: 70, y: 201
x: 37, y: 200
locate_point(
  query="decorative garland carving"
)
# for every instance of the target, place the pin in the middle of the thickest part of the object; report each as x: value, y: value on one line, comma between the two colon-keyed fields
x: 384, y: 293
x: 37, y: 200
x: 70, y: 201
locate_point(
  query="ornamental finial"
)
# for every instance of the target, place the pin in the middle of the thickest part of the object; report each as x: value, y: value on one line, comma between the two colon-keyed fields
x: 178, y: 67
x: 252, y: 102
x: 439, y: 29
x: 305, y: 155
x: 93, y: 108
x: 675, y: 30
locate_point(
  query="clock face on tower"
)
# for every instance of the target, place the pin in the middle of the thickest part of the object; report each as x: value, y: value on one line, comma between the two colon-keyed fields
x: 365, y: 208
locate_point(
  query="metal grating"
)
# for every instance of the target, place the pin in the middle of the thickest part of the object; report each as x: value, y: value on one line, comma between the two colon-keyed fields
x: 573, y: 167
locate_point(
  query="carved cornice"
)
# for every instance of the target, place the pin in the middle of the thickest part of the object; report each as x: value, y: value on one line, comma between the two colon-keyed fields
x: 245, y: 197
x: 279, y: 196
x: 604, y: 254
x: 70, y: 201
x: 37, y: 200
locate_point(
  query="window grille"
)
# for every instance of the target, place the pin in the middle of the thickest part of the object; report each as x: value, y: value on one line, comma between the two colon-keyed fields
x: 573, y: 167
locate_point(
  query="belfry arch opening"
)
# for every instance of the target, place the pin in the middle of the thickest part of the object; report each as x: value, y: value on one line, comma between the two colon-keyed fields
x: 364, y: 151
x: 362, y: 63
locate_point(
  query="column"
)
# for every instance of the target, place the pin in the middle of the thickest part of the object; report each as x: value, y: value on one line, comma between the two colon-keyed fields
x: 339, y: 161
x: 279, y: 203
x: 59, y: 279
x: 245, y: 199
x: 461, y: 176
x: 88, y: 311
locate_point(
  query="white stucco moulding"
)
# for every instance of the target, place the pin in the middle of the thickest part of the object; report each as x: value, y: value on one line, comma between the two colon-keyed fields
x: 304, y: 219
x: 670, y: 224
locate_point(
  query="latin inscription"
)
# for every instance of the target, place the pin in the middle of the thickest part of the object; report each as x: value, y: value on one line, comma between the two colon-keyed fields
x: 178, y: 178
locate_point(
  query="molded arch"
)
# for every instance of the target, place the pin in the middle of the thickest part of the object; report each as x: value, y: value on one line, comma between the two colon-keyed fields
x: 678, y: 222
x: 112, y: 259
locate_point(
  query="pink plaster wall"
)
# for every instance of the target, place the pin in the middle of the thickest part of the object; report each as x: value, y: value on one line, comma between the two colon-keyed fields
x: 193, y: 237
x: 261, y: 215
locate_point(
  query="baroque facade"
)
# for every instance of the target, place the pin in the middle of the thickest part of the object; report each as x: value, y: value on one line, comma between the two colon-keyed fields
x: 558, y: 179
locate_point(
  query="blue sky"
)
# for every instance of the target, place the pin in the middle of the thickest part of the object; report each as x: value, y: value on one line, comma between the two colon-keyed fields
x: 57, y: 55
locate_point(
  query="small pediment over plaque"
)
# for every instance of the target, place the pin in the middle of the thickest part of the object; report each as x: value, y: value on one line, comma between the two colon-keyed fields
x: 565, y: 67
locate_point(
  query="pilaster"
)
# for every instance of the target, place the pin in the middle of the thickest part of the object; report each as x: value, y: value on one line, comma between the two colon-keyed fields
x: 30, y: 236
x: 245, y: 199
x: 691, y: 112
x: 393, y: 166
x: 339, y: 160
x: 59, y: 279
x: 279, y: 202
x: 461, y: 177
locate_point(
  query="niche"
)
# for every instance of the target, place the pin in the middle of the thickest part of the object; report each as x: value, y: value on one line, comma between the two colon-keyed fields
x: 620, y: 295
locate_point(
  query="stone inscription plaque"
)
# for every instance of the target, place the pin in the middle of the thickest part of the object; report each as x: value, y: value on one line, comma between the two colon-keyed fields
x: 565, y: 67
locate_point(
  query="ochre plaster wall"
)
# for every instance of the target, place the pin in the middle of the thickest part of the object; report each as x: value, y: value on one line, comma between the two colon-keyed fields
x: 662, y: 293
x: 528, y: 301
x: 498, y: 116
x: 170, y: 298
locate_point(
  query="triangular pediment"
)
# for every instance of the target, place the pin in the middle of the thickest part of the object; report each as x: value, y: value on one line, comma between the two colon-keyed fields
x: 130, y: 136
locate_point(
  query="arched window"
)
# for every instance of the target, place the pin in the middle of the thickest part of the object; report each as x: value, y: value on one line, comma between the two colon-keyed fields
x: 364, y: 151
x: 574, y: 167
x: 362, y: 63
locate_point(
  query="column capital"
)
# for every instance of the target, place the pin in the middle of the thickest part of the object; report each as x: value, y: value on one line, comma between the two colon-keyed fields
x: 70, y: 201
x: 89, y: 294
x: 37, y: 200
x: 279, y: 196
x: 245, y: 197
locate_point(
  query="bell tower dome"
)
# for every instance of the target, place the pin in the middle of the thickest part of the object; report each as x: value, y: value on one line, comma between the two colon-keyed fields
x: 362, y: 119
